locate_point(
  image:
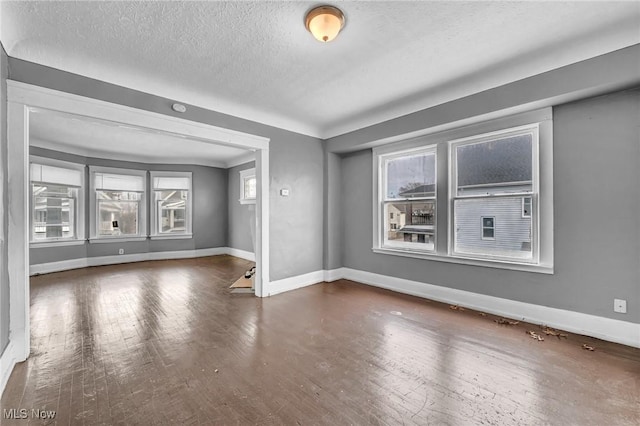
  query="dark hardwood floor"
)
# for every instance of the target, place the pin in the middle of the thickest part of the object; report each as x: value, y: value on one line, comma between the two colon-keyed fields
x: 165, y: 342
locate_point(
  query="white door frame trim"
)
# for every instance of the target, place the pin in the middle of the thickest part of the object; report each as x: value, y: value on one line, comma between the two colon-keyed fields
x: 22, y: 99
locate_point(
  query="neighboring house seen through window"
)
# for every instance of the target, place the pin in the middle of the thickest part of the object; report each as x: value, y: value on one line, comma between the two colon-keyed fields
x: 488, y: 228
x: 491, y: 175
x: 409, y: 199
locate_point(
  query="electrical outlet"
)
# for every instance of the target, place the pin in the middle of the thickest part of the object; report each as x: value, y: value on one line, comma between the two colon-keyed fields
x: 620, y: 306
x: 120, y: 251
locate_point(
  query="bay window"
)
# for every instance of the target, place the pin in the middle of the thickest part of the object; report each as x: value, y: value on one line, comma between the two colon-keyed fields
x: 57, y: 201
x: 118, y: 200
x: 171, y: 204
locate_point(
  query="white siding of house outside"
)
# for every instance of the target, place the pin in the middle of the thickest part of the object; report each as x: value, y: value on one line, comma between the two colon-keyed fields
x: 512, y: 231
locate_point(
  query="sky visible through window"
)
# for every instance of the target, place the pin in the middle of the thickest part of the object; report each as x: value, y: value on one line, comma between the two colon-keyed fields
x: 405, y: 173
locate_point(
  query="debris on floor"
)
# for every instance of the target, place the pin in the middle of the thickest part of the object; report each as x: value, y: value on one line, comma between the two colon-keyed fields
x: 587, y: 347
x: 482, y: 314
x: 535, y: 336
x: 456, y: 308
x: 504, y: 321
x: 552, y: 332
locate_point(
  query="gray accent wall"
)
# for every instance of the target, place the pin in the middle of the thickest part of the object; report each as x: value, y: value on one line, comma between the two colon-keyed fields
x: 240, y: 215
x: 4, y: 224
x: 209, y: 186
x: 597, y: 231
x: 333, y: 220
x: 296, y: 162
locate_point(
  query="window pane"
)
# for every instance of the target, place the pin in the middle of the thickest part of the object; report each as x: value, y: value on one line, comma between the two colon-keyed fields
x: 411, y: 224
x: 411, y: 176
x: 492, y: 226
x: 494, y: 167
x: 118, y: 212
x: 526, y: 207
x: 53, y: 212
x: 250, y: 188
x: 172, y: 211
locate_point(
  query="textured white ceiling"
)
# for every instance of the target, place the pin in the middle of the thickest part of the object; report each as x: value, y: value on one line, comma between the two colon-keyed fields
x: 255, y: 59
x: 105, y: 139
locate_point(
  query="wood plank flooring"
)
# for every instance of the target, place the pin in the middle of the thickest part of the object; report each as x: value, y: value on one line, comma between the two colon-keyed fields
x: 165, y: 342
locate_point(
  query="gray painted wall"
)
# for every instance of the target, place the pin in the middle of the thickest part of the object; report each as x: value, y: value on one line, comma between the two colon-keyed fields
x: 296, y: 162
x: 597, y: 230
x: 603, y: 74
x: 209, y: 187
x: 240, y: 216
x: 333, y: 226
x: 4, y: 277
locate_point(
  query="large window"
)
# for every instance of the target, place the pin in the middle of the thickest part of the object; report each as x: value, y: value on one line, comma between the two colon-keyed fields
x: 408, y: 199
x: 118, y: 196
x: 171, y: 204
x: 480, y: 195
x: 57, y: 201
x: 493, y: 181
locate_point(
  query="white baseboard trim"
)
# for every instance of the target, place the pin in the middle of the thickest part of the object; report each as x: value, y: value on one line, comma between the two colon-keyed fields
x: 64, y: 265
x: 8, y: 360
x: 293, y: 283
x: 242, y: 254
x: 334, y: 274
x: 612, y: 330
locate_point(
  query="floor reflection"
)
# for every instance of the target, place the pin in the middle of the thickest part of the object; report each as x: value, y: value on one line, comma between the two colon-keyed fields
x: 167, y: 343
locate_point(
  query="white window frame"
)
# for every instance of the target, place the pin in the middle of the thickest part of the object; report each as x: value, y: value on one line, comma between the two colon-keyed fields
x: 142, y: 210
x: 155, y: 229
x: 244, y: 176
x: 532, y: 129
x: 80, y: 237
x: 541, y: 200
x: 382, y: 157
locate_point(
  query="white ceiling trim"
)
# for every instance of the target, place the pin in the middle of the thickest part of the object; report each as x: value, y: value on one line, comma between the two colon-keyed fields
x: 35, y: 96
x: 244, y: 159
x: 93, y: 153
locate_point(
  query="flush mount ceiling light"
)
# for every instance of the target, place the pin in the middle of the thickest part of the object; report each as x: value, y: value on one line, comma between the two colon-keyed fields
x: 324, y: 22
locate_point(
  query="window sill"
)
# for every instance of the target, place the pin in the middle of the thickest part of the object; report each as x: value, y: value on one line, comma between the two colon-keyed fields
x: 58, y: 243
x: 249, y: 201
x: 526, y: 267
x: 172, y: 237
x: 115, y: 240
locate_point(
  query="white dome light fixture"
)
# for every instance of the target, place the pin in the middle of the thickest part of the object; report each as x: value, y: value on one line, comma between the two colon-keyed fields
x: 324, y: 22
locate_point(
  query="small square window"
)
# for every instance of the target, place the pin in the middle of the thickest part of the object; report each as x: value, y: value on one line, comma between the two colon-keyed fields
x: 57, y: 201
x: 488, y: 228
x: 248, y: 186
